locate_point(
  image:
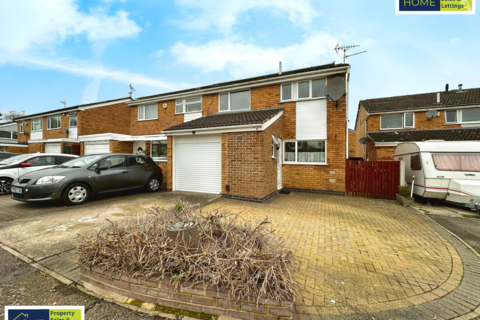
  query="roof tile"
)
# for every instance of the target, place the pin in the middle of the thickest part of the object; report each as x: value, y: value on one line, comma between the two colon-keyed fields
x: 458, y: 134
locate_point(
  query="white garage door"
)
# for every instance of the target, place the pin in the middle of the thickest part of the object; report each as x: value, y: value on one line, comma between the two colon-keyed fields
x: 96, y: 148
x: 53, y: 148
x: 198, y: 164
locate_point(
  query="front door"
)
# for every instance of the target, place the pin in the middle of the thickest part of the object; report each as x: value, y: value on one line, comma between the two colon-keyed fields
x: 114, y: 178
x: 279, y: 166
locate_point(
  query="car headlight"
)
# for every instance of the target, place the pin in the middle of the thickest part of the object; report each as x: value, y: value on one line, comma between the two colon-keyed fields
x: 49, y: 179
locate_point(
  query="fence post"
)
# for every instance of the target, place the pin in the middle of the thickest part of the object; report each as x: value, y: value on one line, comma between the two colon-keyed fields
x: 402, y: 173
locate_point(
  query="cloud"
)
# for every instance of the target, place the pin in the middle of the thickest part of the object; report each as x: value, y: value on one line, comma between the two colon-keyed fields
x: 245, y: 59
x: 91, y: 91
x: 27, y: 23
x: 224, y: 14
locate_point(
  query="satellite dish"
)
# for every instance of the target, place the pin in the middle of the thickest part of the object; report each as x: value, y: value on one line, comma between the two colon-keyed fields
x: 335, y: 88
x: 363, y: 140
x: 432, y: 114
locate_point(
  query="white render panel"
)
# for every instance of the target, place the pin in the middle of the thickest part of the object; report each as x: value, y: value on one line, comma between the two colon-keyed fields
x: 198, y: 165
x: 192, y: 116
x: 72, y: 133
x: 53, y: 148
x: 311, y: 120
x: 36, y: 135
x: 97, y: 148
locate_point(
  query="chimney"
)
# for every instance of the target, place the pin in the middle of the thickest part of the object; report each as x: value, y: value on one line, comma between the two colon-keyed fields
x: 438, y: 97
x: 280, y: 68
x: 460, y: 87
x: 446, y: 87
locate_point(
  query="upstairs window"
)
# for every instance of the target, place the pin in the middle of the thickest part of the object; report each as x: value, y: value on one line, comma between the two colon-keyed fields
x: 235, y: 101
x: 37, y: 124
x: 188, y: 105
x: 286, y: 92
x: 22, y: 126
x: 148, y: 112
x: 397, y: 121
x: 54, y: 122
x: 72, y: 120
x: 451, y: 116
x: 312, y: 89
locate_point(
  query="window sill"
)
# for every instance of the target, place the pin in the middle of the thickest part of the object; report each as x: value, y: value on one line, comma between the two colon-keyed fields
x: 53, y: 129
x: 238, y: 110
x: 307, y: 163
x: 159, y: 160
x: 303, y: 99
x: 188, y: 112
x: 37, y: 130
x: 138, y: 120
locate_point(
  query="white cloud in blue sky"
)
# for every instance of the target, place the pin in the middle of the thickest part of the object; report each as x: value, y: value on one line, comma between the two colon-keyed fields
x: 85, y: 51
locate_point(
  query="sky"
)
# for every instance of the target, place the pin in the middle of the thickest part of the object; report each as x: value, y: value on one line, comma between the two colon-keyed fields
x: 88, y: 51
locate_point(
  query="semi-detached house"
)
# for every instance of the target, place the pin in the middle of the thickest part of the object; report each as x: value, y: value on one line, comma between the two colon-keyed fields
x: 83, y: 129
x: 246, y: 139
x: 449, y: 115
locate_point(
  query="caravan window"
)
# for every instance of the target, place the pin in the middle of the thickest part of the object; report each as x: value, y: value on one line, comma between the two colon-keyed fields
x: 457, y: 161
x: 415, y: 163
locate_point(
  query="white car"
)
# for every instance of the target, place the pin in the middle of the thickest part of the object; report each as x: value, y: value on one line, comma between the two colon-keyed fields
x: 14, y: 167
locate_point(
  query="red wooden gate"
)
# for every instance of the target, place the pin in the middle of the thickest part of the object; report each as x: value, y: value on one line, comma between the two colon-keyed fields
x: 373, y: 179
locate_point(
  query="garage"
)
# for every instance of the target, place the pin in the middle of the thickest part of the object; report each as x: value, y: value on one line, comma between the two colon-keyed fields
x: 53, y: 148
x: 97, y: 147
x: 198, y: 164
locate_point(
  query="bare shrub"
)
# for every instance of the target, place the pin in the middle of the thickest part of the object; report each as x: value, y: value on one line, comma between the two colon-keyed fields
x: 245, y: 258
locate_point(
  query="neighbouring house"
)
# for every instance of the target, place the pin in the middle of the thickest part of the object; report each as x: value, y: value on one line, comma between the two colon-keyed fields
x: 450, y: 115
x: 9, y: 139
x: 246, y: 139
x: 83, y: 129
x: 351, y: 143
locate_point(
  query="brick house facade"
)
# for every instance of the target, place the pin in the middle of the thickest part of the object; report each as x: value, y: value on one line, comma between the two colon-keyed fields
x: 416, y: 118
x: 246, y: 168
x: 64, y: 130
x: 9, y: 138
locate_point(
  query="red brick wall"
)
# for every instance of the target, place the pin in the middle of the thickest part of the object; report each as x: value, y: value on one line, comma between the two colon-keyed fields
x: 360, y: 132
x: 166, y: 119
x: 23, y: 138
x: 17, y: 149
x: 121, y: 146
x: 351, y: 143
x: 36, y: 147
x: 247, y: 164
x: 114, y: 118
x: 56, y: 133
x: 379, y: 153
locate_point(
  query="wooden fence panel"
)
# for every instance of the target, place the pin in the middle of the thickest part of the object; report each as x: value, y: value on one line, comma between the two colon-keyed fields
x: 374, y: 179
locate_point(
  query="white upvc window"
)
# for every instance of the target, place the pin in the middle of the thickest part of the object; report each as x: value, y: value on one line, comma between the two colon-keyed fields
x: 305, y: 152
x: 37, y: 124
x: 158, y: 150
x: 22, y: 126
x: 233, y: 101
x: 72, y: 120
x: 451, y: 116
x: 54, y: 122
x: 468, y: 115
x: 286, y: 92
x: 148, y: 112
x: 397, y: 121
x: 188, y: 105
x: 311, y: 89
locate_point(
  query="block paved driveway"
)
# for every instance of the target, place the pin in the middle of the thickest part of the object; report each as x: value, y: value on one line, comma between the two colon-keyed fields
x: 363, y: 256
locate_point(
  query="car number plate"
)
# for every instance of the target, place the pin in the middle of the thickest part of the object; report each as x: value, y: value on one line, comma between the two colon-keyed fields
x: 16, y: 190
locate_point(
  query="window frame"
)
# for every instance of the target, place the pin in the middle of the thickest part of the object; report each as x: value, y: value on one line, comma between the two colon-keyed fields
x: 296, y: 153
x: 461, y: 116
x: 41, y: 124
x: 59, y: 122
x: 143, y: 107
x: 22, y: 127
x: 156, y: 159
x: 291, y: 92
x: 404, y: 120
x: 296, y: 86
x: 70, y: 116
x: 184, y: 105
x: 229, y: 100
x: 456, y: 117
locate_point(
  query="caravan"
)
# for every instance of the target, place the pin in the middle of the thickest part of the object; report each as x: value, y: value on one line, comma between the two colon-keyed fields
x: 448, y: 171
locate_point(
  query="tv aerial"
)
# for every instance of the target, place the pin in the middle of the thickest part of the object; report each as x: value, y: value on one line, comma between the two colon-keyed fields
x: 64, y: 103
x: 335, y: 89
x: 344, y: 49
x: 131, y: 90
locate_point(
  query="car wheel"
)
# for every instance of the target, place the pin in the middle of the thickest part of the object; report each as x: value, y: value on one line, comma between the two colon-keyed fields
x: 5, y: 185
x: 154, y: 184
x: 76, y: 194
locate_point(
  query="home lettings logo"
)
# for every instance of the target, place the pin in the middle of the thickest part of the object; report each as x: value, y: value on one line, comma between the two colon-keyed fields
x: 435, y: 6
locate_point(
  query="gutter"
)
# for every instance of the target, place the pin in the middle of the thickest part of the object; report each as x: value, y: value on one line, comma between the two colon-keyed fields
x: 227, y: 88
